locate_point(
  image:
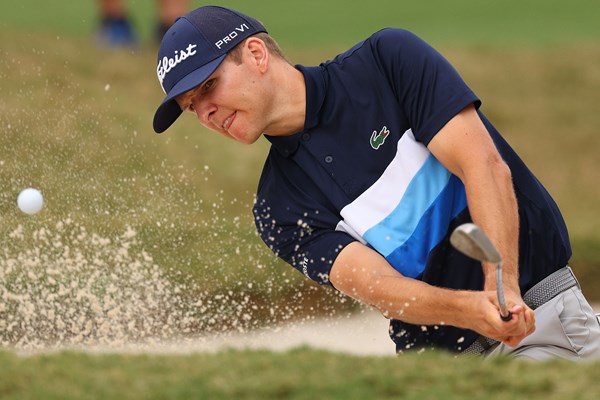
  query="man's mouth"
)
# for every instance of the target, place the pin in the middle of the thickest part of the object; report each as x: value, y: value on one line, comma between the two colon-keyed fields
x: 228, y: 121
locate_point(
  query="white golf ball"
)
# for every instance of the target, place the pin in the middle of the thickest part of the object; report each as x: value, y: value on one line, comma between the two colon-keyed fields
x: 30, y: 201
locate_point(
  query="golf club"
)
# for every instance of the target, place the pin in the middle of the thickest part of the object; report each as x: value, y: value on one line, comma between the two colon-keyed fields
x: 470, y: 240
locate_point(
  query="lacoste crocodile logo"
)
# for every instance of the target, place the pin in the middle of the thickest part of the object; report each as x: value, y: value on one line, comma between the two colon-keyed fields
x: 377, y: 139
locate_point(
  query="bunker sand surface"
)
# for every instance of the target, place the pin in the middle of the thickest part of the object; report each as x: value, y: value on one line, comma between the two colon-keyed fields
x: 362, y: 334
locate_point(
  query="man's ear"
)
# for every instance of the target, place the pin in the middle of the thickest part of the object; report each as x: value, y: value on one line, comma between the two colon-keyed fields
x: 258, y: 53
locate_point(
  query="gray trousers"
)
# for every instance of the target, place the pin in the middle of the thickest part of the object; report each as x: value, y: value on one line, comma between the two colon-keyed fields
x: 566, y: 327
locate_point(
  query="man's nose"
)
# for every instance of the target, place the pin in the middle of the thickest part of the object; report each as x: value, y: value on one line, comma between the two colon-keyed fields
x: 204, y: 110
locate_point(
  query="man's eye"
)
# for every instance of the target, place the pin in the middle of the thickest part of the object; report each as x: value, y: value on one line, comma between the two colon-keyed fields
x: 208, y: 85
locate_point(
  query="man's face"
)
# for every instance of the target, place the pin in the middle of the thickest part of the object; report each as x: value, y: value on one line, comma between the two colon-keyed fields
x: 230, y: 101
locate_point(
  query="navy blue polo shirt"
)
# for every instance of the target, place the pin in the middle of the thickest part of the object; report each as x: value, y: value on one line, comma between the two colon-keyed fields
x: 361, y: 171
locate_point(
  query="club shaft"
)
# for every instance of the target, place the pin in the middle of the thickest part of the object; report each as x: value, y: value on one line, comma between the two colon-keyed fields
x: 469, y: 239
x: 500, y: 291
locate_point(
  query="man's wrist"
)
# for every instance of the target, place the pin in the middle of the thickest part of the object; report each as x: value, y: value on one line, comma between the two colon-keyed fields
x: 510, y: 278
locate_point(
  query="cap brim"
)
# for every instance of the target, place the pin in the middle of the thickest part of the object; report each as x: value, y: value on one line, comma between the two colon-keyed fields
x: 169, y: 110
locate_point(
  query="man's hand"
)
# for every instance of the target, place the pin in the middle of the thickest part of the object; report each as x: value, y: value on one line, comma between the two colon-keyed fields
x: 487, y: 320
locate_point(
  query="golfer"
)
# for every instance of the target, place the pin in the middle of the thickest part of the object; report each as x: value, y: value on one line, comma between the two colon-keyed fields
x: 376, y: 156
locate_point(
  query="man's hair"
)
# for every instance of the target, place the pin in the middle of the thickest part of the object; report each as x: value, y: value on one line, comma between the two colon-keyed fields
x: 236, y: 53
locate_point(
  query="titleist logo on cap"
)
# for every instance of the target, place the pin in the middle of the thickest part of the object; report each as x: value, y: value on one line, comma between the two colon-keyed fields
x: 167, y: 64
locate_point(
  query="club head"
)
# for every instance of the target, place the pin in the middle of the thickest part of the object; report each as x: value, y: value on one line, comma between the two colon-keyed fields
x: 470, y: 240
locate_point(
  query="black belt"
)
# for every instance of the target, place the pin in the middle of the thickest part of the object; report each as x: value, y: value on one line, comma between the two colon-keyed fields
x: 544, y: 291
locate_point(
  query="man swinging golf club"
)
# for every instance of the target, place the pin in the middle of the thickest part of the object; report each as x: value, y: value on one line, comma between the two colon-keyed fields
x: 376, y: 157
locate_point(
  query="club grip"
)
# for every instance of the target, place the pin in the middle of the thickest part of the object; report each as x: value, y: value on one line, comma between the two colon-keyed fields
x: 506, y: 317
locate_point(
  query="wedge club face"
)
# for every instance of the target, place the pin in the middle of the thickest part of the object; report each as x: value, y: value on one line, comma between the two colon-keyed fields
x: 470, y: 240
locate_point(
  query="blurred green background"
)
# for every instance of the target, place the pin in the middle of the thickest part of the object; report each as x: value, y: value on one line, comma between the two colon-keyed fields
x: 148, y: 236
x: 75, y: 121
x: 313, y: 23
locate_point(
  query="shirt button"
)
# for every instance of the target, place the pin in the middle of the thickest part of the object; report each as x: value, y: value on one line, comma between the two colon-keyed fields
x: 306, y: 136
x: 328, y: 159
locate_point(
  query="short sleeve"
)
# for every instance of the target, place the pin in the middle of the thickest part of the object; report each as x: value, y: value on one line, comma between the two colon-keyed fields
x: 296, y: 222
x: 427, y: 87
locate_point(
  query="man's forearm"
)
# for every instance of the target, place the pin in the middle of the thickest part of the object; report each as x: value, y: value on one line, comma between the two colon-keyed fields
x: 465, y: 147
x: 366, y: 276
x: 493, y: 207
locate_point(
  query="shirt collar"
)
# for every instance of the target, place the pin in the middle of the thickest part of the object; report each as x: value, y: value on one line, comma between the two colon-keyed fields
x: 314, y: 78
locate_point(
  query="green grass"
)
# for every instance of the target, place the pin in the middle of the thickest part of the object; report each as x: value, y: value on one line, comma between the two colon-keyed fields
x: 297, y: 374
x: 75, y: 121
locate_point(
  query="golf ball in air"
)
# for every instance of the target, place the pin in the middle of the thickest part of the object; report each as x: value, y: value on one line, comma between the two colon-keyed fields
x: 30, y: 201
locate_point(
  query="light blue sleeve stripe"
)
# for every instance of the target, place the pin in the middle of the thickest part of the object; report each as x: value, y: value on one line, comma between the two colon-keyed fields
x: 425, y: 187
